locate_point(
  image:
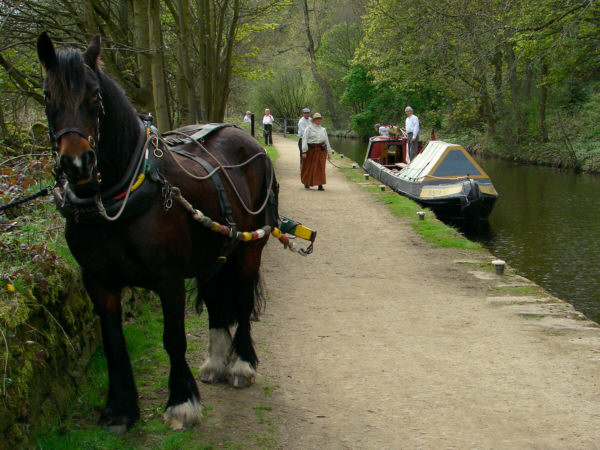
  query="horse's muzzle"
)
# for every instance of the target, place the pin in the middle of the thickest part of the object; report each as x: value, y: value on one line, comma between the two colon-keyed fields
x: 80, y: 169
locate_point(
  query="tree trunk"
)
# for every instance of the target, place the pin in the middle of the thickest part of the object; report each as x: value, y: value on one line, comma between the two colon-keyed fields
x: 159, y: 85
x: 185, y: 113
x: 322, y: 82
x: 486, y: 109
x: 218, y: 26
x: 141, y: 41
x: 543, y: 132
x: 3, y: 127
x: 497, y: 81
x: 228, y: 27
x: 515, y: 101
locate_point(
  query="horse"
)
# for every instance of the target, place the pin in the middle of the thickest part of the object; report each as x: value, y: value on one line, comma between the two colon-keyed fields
x: 103, y: 150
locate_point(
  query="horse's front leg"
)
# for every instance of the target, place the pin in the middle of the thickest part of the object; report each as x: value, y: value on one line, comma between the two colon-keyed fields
x: 184, y: 408
x: 121, y: 410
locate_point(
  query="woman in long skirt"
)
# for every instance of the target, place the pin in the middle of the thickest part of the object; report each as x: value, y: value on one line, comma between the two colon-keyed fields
x: 315, y: 153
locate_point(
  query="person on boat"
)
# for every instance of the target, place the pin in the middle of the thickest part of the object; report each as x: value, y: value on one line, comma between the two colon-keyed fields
x: 315, y: 153
x: 268, y: 127
x: 304, y: 122
x: 412, y: 132
x: 384, y: 130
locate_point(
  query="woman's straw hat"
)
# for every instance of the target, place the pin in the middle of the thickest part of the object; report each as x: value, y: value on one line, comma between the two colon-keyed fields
x: 317, y: 116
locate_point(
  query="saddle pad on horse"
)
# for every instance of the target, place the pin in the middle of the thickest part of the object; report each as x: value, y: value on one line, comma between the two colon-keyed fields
x: 192, y: 133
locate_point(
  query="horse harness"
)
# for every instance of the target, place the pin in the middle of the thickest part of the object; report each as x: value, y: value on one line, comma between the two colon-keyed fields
x: 132, y: 196
x: 175, y: 140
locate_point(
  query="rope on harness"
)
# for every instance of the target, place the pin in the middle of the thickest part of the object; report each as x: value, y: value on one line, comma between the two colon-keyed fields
x: 220, y: 166
x: 244, y: 236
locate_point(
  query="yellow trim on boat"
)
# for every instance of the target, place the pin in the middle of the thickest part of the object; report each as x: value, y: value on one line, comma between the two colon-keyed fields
x: 488, y: 189
x: 433, y: 192
x: 468, y: 156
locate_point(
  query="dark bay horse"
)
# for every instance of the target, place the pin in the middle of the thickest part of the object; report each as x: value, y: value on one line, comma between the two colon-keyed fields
x: 156, y: 244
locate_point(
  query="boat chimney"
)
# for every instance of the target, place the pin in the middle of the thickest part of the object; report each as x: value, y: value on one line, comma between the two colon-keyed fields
x: 432, y: 134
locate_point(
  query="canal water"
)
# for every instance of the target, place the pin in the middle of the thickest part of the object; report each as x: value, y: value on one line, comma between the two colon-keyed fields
x: 545, y: 225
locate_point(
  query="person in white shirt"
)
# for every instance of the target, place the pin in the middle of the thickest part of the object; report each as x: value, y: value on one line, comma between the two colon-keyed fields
x: 248, y: 116
x: 304, y: 122
x: 384, y: 130
x: 268, y: 127
x: 412, y: 132
x: 315, y: 153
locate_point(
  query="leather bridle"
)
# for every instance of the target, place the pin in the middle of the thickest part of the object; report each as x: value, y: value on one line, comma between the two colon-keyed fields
x: 95, y: 178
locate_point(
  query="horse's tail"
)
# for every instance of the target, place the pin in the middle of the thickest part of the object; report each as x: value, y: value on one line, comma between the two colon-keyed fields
x: 272, y: 190
x: 260, y: 299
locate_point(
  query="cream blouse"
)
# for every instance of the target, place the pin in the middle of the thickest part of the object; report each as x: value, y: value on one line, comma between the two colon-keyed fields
x: 315, y: 134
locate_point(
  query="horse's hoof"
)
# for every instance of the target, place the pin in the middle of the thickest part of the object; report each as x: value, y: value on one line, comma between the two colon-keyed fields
x: 183, y: 416
x: 117, y: 424
x: 117, y: 429
x: 240, y: 382
x: 211, y: 378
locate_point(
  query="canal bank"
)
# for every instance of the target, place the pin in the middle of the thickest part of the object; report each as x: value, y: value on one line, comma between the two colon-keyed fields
x: 377, y: 340
x: 544, y: 225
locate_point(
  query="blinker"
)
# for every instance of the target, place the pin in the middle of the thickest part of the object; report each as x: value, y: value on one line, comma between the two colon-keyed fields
x: 91, y: 141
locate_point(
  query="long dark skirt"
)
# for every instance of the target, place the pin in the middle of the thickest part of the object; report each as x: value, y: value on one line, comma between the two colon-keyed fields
x: 313, y: 167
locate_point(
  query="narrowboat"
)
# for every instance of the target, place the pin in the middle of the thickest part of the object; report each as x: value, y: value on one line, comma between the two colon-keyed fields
x: 443, y: 177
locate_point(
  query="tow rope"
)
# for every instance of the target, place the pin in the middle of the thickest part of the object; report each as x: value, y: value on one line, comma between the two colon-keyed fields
x: 245, y: 236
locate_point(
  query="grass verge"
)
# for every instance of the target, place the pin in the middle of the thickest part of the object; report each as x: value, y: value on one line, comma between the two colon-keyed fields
x: 432, y: 230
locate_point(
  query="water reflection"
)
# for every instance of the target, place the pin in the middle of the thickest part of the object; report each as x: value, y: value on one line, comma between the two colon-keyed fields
x: 544, y: 225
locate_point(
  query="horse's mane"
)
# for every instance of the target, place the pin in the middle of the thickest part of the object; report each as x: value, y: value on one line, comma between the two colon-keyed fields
x: 67, y: 82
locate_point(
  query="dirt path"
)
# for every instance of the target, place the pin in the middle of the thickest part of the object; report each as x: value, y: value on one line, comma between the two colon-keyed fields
x: 378, y: 341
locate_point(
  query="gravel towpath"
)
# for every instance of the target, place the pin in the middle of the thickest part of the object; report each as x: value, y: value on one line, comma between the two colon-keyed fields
x: 379, y: 341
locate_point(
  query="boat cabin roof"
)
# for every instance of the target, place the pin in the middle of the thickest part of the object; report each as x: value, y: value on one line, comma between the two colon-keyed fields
x: 442, y: 160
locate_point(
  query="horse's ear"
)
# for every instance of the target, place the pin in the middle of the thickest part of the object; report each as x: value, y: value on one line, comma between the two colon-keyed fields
x: 46, y: 51
x: 93, y: 52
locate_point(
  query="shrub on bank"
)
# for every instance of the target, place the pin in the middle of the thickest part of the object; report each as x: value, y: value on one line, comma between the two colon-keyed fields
x: 48, y: 330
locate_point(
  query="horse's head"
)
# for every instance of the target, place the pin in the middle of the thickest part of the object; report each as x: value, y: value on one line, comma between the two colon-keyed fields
x: 73, y: 108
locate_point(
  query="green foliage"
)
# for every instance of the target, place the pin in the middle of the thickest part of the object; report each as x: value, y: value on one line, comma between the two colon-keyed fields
x: 285, y: 94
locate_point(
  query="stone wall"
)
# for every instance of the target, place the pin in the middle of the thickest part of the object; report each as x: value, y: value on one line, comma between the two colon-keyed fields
x: 51, y: 332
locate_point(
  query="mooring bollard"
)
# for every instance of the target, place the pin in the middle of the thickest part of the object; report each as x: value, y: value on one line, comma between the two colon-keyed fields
x: 354, y: 165
x: 499, y: 265
x: 366, y: 175
x: 341, y: 155
x: 382, y: 187
x: 421, y: 215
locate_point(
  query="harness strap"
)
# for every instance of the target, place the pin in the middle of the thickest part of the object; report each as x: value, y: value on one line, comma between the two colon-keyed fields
x: 223, y: 200
x: 229, y: 243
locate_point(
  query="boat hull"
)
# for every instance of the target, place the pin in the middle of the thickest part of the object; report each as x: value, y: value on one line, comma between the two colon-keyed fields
x: 465, y: 198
